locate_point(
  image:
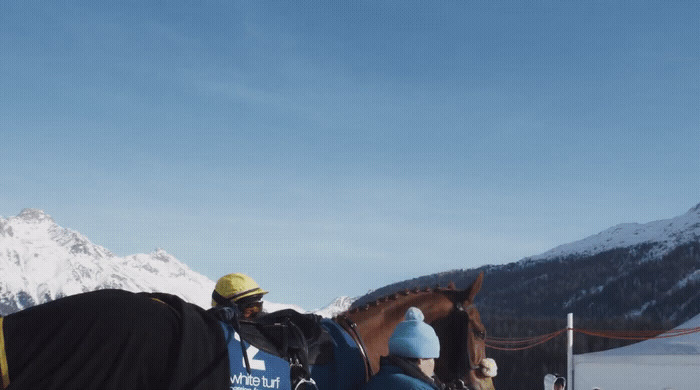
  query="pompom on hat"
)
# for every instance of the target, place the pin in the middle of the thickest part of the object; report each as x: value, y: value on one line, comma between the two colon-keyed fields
x: 413, y: 338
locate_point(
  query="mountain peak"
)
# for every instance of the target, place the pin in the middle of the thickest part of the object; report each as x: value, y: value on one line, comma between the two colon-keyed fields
x: 162, y: 255
x: 666, y: 234
x: 695, y: 209
x: 34, y: 216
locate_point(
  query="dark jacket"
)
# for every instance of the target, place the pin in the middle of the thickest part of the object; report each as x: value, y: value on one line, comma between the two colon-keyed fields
x: 397, y: 373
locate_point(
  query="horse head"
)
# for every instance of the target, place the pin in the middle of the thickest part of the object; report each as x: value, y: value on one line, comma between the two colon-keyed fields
x: 462, y: 337
x: 452, y: 314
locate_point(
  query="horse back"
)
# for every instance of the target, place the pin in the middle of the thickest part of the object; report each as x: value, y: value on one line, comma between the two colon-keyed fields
x: 112, y: 339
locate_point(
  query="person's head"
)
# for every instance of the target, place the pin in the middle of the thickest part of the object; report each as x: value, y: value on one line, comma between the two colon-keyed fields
x: 241, y: 290
x: 559, y: 383
x: 414, y: 339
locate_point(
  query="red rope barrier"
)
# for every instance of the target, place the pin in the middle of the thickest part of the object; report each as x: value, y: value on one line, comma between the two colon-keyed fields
x: 522, y: 343
x: 528, y: 342
x: 638, y: 335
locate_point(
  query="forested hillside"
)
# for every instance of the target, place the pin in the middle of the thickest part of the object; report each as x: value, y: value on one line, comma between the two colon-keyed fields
x: 618, y: 289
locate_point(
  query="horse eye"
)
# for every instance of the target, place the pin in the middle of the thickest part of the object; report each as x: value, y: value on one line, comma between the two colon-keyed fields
x: 480, y: 334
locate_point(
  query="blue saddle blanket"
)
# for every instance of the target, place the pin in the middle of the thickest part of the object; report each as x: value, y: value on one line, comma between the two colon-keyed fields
x: 267, y: 371
x: 345, y: 371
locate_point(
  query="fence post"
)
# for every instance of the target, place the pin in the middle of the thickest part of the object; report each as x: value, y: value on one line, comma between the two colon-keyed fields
x: 570, y: 351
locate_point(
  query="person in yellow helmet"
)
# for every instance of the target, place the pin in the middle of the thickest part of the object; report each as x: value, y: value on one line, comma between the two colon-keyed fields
x: 239, y: 290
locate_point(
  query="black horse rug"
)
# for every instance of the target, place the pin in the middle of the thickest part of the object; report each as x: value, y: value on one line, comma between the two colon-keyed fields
x: 113, y: 339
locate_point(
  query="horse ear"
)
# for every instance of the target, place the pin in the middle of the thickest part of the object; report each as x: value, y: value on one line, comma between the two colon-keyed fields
x: 475, y: 287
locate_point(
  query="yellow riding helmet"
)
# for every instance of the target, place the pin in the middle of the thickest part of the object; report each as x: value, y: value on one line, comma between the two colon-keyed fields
x: 236, y: 286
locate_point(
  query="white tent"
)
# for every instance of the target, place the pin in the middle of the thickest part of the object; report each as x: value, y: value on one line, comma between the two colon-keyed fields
x: 655, y: 364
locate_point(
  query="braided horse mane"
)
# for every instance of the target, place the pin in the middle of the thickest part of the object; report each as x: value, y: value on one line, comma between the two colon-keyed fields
x: 401, y: 293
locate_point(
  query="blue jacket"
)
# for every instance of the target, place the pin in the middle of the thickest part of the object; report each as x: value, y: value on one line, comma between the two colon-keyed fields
x: 393, y: 377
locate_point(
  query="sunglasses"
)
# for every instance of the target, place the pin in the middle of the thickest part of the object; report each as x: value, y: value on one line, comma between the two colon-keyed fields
x: 251, y: 309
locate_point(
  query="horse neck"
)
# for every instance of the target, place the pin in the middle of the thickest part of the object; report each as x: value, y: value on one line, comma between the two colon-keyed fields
x: 376, y: 321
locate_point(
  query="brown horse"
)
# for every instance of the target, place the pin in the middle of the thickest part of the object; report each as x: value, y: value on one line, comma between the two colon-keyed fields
x: 452, y: 314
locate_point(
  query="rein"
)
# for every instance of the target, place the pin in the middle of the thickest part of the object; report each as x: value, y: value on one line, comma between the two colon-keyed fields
x: 352, y: 326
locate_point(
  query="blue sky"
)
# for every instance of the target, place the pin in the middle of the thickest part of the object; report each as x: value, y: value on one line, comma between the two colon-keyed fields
x: 328, y: 148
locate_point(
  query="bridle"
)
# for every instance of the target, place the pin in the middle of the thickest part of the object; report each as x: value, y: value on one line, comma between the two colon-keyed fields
x: 462, y: 311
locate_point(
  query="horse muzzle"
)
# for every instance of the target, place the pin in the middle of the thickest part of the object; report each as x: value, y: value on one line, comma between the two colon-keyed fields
x: 480, y: 377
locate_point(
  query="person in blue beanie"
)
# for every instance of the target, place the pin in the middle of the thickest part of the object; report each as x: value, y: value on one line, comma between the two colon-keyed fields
x: 413, y: 348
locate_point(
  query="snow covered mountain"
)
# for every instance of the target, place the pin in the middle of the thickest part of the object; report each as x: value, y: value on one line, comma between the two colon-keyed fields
x: 630, y: 276
x: 666, y: 235
x: 41, y: 261
x: 338, y: 306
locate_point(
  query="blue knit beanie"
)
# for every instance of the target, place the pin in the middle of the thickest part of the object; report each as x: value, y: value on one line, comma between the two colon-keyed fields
x: 413, y: 338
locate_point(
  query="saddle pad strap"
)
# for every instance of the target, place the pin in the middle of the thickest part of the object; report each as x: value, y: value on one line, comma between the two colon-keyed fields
x: 4, y: 372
